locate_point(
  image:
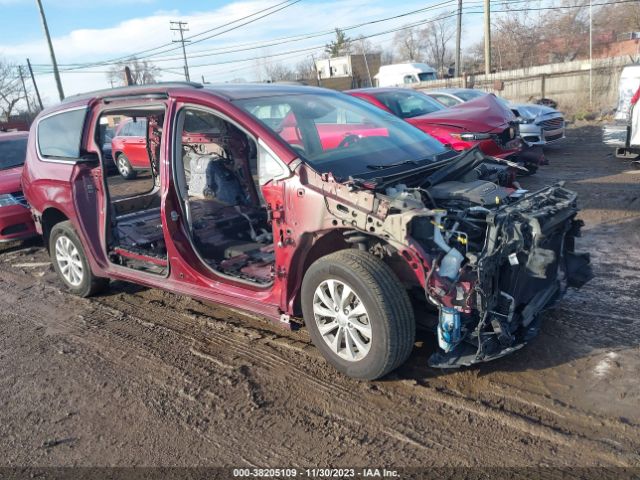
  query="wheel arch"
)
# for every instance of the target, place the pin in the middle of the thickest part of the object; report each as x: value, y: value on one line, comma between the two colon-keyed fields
x: 315, y: 246
x: 51, y: 216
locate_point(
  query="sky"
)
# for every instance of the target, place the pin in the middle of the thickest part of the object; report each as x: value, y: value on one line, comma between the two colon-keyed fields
x: 88, y: 31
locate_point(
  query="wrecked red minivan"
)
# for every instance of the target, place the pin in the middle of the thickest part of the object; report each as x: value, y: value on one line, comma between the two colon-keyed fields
x: 245, y: 203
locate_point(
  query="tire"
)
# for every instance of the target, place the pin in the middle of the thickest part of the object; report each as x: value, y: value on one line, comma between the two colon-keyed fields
x: 376, y: 290
x: 532, y: 169
x: 70, y: 262
x: 124, y: 167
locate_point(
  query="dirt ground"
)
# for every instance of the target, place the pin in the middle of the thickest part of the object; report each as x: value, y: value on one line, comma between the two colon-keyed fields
x: 144, y: 377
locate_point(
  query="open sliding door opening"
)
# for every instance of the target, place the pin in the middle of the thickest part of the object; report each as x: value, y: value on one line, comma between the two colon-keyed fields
x: 130, y: 139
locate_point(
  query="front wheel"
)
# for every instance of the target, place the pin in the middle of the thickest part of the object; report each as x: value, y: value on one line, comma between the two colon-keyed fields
x: 358, y: 314
x: 70, y: 261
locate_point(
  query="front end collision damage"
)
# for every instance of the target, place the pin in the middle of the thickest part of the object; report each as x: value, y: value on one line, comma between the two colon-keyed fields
x: 489, y: 258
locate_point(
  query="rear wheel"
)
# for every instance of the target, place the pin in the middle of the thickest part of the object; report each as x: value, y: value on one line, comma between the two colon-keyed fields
x: 70, y: 262
x: 124, y: 167
x: 358, y: 314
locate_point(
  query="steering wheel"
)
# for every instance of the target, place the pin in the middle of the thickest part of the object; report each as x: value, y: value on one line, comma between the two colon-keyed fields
x: 349, y: 140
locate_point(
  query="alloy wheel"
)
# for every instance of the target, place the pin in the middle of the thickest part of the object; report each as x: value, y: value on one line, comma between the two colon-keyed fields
x: 69, y: 262
x: 123, y: 166
x: 342, y: 320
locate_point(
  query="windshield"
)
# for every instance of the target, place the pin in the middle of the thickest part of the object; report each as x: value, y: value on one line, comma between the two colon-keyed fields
x: 12, y: 153
x: 409, y: 104
x: 467, y: 95
x: 342, y: 135
x: 426, y: 76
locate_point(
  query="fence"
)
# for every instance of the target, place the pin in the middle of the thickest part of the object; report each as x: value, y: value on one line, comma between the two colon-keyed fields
x: 566, y: 83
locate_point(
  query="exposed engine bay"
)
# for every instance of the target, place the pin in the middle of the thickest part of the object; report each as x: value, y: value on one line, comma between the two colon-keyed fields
x: 494, y: 257
x: 507, y: 255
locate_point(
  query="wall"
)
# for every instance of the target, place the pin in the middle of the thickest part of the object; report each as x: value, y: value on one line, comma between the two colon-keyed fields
x: 566, y: 83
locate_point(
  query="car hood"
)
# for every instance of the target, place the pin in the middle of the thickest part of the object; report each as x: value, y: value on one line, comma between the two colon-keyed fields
x: 10, y: 180
x: 481, y: 115
x: 531, y: 110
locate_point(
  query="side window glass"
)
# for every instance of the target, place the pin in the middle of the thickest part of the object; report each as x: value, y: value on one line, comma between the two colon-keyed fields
x: 60, y: 135
x: 132, y: 167
x: 449, y: 102
x: 409, y: 79
x: 125, y: 131
x: 269, y: 167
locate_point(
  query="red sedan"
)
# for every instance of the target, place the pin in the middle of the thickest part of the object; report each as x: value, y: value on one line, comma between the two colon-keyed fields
x: 15, y: 218
x: 129, y: 147
x: 484, y: 122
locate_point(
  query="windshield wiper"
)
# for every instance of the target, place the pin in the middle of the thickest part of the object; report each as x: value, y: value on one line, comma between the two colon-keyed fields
x: 390, y: 165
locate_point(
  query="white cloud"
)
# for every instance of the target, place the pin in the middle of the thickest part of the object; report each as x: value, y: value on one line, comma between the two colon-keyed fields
x: 136, y: 34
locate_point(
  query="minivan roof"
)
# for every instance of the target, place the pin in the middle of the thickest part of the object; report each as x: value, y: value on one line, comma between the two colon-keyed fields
x: 231, y: 91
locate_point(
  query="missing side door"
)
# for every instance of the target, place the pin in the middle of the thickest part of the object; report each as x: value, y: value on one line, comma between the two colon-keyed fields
x: 130, y: 139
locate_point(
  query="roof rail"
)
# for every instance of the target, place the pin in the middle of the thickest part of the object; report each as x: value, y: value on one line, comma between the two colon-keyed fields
x: 131, y: 90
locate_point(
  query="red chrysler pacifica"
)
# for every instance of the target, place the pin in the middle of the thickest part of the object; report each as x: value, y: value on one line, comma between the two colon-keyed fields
x: 309, y: 207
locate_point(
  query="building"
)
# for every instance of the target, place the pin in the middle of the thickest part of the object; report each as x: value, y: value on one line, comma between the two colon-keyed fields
x: 349, y: 71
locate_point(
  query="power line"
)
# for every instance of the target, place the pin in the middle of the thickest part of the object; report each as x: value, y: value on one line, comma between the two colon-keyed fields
x: 471, y: 4
x: 289, y: 39
x: 138, y: 56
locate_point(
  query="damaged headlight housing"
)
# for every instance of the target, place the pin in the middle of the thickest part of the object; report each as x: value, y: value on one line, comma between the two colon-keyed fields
x: 470, y: 137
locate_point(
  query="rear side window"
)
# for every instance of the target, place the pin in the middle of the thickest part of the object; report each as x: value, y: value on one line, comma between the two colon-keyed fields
x: 448, y: 101
x: 60, y: 135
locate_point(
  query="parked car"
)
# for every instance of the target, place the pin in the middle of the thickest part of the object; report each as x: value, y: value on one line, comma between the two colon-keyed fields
x: 484, y: 122
x: 399, y: 74
x: 629, y: 148
x: 539, y: 124
x: 617, y: 134
x: 280, y: 221
x: 15, y: 218
x: 129, y: 147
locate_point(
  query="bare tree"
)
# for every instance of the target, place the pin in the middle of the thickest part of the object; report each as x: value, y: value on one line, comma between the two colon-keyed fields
x: 515, y: 41
x: 437, y: 38
x: 565, y: 33
x: 387, y: 57
x: 409, y: 44
x: 361, y: 45
x: 617, y: 19
x: 340, y: 46
x: 306, y: 69
x: 11, y: 91
x: 142, y: 72
x: 269, y: 71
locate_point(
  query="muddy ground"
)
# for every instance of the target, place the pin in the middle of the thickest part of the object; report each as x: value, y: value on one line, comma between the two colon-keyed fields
x: 144, y: 377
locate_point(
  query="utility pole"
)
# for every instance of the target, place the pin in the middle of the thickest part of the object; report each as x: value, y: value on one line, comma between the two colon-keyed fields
x: 315, y: 67
x: 35, y: 85
x: 128, y: 78
x: 458, y: 38
x: 24, y: 88
x: 487, y: 37
x: 590, y: 55
x: 56, y: 73
x: 179, y: 26
x: 366, y: 62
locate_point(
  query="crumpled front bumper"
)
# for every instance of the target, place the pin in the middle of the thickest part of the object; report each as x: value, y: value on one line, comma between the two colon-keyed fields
x: 527, y: 263
x: 16, y: 223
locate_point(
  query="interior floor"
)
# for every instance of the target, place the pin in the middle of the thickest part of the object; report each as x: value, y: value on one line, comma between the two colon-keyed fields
x: 231, y: 239
x: 234, y: 240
